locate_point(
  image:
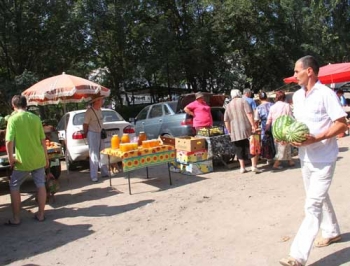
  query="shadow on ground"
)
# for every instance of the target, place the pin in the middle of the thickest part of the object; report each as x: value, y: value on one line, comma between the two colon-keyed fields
x: 21, y: 243
x: 341, y: 257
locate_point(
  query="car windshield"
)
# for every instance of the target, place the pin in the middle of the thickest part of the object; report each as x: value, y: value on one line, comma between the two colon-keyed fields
x: 173, y: 105
x: 108, y: 116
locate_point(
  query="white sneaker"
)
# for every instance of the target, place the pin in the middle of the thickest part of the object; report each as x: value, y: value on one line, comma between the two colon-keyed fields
x: 243, y: 170
x: 94, y: 179
x: 256, y: 170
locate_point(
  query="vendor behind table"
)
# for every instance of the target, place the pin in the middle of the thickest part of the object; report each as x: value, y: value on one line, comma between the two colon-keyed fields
x: 200, y: 111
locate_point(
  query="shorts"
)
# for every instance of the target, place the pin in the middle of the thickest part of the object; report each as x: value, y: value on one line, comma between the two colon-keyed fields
x: 17, y: 178
x: 242, y: 149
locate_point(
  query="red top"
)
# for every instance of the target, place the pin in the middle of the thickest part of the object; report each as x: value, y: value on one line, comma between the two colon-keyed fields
x: 202, y: 114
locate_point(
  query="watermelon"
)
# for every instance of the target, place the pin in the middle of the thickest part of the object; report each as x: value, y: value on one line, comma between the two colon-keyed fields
x: 280, y: 127
x: 297, y: 132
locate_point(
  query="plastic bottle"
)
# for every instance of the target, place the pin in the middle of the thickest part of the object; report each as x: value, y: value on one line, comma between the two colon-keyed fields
x: 142, y: 137
x: 115, y: 141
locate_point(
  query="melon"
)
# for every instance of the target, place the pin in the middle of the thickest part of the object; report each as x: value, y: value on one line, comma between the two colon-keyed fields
x: 280, y: 127
x: 297, y: 132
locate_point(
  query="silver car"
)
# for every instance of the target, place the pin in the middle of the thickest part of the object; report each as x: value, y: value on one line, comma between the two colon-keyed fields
x: 169, y: 119
x: 73, y: 139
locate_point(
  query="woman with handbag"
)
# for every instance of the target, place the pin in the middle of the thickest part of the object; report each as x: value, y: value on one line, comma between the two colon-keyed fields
x: 94, y: 132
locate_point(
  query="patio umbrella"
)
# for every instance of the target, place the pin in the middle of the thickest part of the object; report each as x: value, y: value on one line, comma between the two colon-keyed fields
x: 63, y: 88
x: 331, y: 73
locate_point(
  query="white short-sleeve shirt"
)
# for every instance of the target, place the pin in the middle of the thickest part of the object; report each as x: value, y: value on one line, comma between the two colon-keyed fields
x: 318, y: 110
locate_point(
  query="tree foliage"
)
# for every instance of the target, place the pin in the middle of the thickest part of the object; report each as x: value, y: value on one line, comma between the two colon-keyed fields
x: 199, y: 45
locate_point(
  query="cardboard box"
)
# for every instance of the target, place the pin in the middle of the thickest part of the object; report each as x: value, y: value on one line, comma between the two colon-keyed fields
x: 191, y: 156
x: 168, y: 140
x: 189, y: 143
x: 197, y: 168
x: 175, y: 167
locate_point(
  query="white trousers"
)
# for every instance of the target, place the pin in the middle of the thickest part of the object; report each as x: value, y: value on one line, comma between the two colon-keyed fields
x: 96, y: 144
x: 319, y: 212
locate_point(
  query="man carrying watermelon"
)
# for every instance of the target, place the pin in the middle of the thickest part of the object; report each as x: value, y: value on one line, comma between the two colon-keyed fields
x: 318, y: 107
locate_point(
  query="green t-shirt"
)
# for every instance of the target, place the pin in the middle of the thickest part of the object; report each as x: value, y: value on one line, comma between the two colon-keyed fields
x: 27, y: 132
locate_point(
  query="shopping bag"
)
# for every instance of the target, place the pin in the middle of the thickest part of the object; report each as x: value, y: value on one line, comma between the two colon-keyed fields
x: 254, y: 144
x: 268, y: 150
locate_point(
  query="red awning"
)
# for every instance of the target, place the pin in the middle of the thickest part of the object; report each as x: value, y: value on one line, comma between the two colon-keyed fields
x: 332, y: 73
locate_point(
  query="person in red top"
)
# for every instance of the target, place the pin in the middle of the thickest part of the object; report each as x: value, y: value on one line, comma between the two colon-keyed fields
x: 200, y: 111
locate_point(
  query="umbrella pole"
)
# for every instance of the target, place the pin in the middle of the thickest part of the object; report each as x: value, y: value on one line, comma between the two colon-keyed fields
x: 65, y: 143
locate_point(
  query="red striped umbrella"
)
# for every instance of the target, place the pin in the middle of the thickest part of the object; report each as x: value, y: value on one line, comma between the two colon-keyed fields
x: 64, y: 88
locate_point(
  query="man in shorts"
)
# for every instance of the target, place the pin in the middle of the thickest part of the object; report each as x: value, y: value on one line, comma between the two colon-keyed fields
x: 26, y: 134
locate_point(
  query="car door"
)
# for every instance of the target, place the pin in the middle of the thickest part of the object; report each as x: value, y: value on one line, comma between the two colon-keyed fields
x: 141, y: 119
x: 154, y: 121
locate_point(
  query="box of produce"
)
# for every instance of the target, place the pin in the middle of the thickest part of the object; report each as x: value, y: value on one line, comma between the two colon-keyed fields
x: 190, y: 143
x: 197, y: 168
x: 168, y: 140
x: 191, y: 156
x: 210, y: 132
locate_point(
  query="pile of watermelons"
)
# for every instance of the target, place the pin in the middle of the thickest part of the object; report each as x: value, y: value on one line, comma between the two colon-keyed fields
x: 286, y: 128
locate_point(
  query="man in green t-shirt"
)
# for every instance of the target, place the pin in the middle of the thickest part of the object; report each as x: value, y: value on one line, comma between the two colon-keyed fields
x: 25, y: 132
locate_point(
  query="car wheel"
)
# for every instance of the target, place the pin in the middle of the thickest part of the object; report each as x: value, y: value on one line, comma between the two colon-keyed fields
x: 71, y: 166
x: 168, y: 135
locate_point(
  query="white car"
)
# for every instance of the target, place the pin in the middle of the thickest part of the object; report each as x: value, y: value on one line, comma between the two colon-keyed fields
x: 73, y: 140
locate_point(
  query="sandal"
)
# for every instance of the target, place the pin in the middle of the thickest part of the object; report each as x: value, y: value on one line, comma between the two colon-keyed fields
x: 10, y: 223
x: 290, y: 262
x: 324, y: 242
x: 37, y: 218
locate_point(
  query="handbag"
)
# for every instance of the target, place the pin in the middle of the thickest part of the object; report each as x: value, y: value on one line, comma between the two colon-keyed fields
x: 254, y: 144
x: 103, y: 131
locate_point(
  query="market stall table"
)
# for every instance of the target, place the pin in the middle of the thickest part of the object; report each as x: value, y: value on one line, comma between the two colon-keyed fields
x: 220, y: 148
x: 54, y: 155
x: 141, y: 158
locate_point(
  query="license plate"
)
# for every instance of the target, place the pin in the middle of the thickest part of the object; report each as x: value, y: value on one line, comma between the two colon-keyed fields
x: 112, y: 132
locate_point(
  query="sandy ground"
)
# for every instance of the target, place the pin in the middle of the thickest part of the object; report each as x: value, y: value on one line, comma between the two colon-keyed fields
x: 220, y: 218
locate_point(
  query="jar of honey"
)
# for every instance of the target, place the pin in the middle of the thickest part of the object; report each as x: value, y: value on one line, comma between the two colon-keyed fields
x: 125, y: 138
x: 115, y: 141
x: 142, y: 137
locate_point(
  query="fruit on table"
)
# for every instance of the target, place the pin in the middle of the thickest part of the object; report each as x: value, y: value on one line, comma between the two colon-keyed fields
x: 207, y: 132
x: 50, y: 144
x: 280, y: 127
x: 297, y: 132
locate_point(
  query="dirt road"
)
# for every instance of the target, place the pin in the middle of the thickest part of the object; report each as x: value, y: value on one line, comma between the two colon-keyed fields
x: 221, y: 218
